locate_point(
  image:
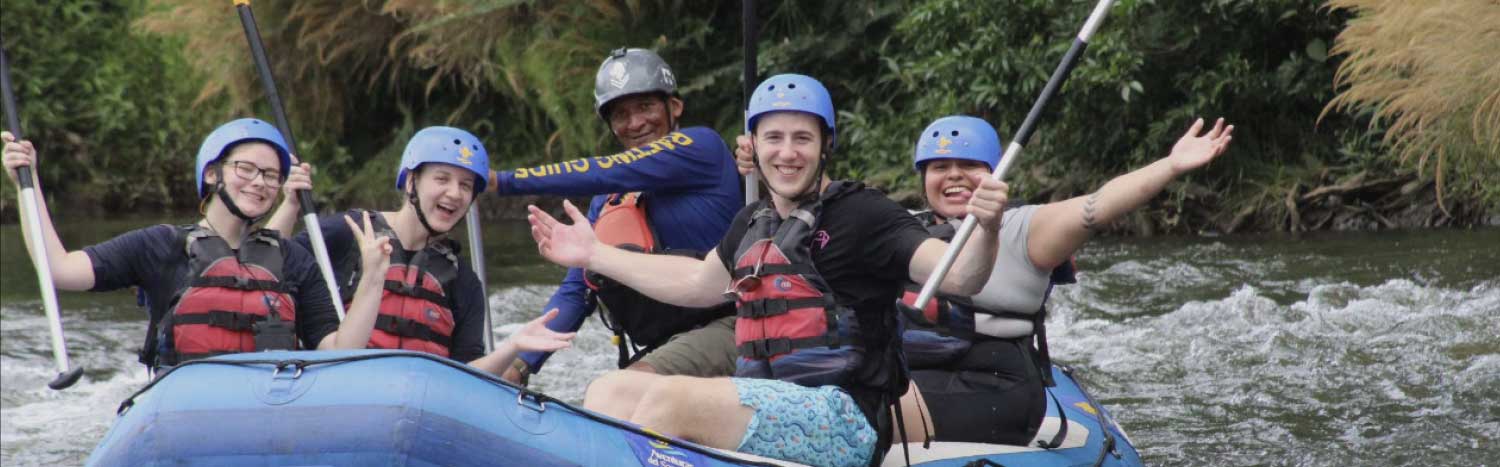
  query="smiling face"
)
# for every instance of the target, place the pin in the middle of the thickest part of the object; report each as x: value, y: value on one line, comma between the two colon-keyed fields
x: 788, y: 146
x: 638, y: 119
x: 948, y: 186
x: 251, y: 194
x: 444, y: 192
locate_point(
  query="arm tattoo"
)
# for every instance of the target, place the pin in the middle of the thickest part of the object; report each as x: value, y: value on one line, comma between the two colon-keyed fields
x: 1088, y: 211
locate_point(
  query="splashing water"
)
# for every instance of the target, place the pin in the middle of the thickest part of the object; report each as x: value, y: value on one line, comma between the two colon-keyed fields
x: 1355, y: 349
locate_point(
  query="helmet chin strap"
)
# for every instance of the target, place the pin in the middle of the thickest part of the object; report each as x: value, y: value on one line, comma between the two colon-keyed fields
x: 416, y: 205
x: 234, y: 209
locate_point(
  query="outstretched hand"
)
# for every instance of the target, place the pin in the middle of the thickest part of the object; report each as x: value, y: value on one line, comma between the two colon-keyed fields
x: 1194, y: 150
x: 374, y: 250
x: 568, y: 245
x: 536, y: 337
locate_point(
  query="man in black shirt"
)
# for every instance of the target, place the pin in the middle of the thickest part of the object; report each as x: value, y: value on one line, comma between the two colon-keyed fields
x: 814, y: 272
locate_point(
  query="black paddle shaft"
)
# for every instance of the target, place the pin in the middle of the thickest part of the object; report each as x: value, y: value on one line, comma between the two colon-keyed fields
x: 267, y: 81
x: 12, y: 120
x: 65, y: 377
x: 751, y: 33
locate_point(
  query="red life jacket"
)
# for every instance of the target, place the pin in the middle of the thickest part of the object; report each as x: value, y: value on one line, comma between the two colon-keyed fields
x: 416, y: 310
x: 227, y: 306
x: 789, y: 326
x: 639, y: 322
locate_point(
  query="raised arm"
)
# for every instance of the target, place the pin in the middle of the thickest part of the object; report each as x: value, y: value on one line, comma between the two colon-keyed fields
x: 1059, y: 229
x: 71, y: 270
x: 687, y: 159
x: 676, y: 280
x: 359, y: 322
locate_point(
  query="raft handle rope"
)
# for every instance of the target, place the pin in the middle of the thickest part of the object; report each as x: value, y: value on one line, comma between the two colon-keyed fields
x: 1105, y: 421
x: 1013, y: 152
x: 541, y: 405
x: 540, y: 398
x: 29, y: 205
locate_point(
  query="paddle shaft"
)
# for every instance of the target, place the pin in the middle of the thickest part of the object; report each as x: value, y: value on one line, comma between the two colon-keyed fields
x: 304, y: 197
x: 1013, y: 152
x: 31, y: 215
x: 752, y: 30
x: 476, y: 258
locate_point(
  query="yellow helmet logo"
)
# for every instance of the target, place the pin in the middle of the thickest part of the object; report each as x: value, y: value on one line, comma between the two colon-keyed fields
x: 464, y: 154
x: 943, y: 143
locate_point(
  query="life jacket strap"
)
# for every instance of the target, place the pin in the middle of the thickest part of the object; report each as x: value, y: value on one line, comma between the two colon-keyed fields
x: 768, y: 307
x: 764, y: 349
x: 238, y: 283
x: 408, y: 328
x: 231, y: 320
x: 775, y: 269
x: 411, y: 290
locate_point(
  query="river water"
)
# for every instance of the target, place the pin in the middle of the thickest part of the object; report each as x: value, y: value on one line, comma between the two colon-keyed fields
x: 1328, y: 349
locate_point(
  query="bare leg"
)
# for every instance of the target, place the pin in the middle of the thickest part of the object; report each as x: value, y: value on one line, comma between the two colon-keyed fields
x: 617, y: 393
x: 914, y: 412
x: 702, y: 410
x: 642, y: 366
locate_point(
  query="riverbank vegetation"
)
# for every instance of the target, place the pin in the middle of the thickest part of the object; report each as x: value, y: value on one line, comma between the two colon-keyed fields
x: 1349, y: 114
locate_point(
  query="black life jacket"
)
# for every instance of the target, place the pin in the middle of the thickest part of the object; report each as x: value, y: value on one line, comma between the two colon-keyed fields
x: 940, y: 335
x: 227, y: 303
x: 639, y: 323
x: 790, y: 327
x: 416, y: 305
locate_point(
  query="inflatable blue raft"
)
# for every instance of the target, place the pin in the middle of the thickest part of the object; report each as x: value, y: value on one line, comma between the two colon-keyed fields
x: 399, y: 408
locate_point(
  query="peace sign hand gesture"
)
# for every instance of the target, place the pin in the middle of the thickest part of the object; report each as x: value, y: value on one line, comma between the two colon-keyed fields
x: 374, y: 250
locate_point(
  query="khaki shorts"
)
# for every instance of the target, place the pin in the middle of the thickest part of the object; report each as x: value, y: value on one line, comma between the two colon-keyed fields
x: 704, y: 352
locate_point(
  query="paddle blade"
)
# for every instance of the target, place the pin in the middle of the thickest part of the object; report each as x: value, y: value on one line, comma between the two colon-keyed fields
x: 66, y: 379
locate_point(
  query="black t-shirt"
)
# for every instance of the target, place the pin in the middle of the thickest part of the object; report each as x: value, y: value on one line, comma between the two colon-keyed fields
x: 863, y: 248
x: 468, y: 296
x: 155, y: 259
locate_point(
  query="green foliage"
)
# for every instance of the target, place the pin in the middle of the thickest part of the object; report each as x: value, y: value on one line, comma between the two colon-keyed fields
x: 107, y: 109
x: 359, y: 76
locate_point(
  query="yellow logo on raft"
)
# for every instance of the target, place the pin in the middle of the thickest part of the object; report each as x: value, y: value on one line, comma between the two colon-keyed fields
x: 671, y: 141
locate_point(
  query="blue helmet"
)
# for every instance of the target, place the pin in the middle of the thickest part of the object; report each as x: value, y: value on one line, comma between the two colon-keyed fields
x: 958, y: 137
x: 231, y: 134
x: 446, y: 145
x: 792, y: 92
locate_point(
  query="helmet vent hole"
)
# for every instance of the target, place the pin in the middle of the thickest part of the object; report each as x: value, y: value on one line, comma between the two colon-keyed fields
x: 955, y: 132
x: 456, y: 142
x: 772, y: 88
x: 792, y: 86
x: 934, y: 134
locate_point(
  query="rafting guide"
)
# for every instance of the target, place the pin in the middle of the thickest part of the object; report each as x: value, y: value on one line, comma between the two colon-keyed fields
x: 671, y: 191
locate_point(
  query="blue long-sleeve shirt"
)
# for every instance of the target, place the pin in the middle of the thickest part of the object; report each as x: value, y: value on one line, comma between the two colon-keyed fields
x: 688, y: 182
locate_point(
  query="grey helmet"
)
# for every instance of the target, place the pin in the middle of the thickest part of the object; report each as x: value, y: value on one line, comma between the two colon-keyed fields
x: 631, y: 71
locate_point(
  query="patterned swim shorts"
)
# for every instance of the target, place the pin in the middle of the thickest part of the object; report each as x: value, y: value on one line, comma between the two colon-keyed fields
x: 816, y: 426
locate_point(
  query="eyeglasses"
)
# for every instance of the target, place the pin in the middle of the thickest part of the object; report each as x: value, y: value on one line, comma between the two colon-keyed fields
x: 247, y: 171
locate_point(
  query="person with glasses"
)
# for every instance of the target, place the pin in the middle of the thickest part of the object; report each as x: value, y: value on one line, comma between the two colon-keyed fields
x: 814, y: 274
x: 219, y: 285
x: 430, y: 298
